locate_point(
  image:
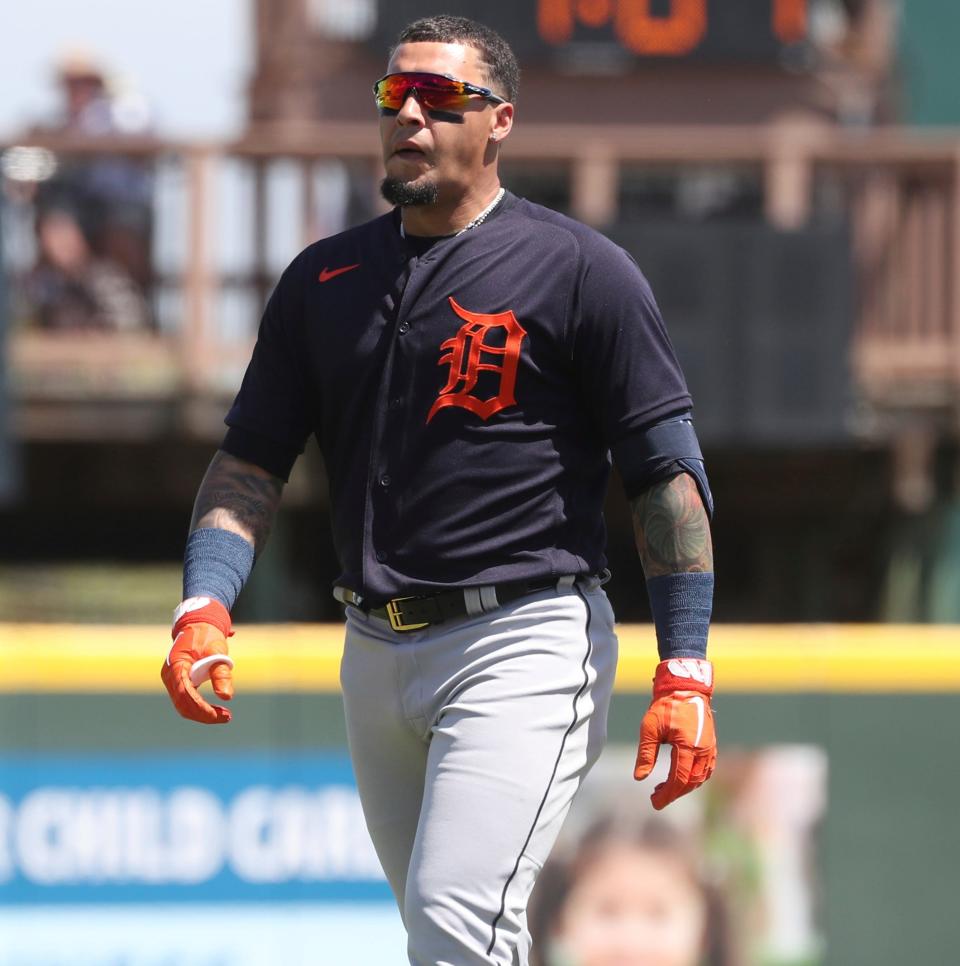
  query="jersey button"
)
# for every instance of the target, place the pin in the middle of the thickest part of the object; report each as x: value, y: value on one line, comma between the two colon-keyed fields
x: 381, y: 556
x: 403, y: 328
x: 385, y: 480
x: 395, y: 403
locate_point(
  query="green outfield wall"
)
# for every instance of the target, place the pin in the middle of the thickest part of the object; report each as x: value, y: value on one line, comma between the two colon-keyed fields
x: 890, y: 846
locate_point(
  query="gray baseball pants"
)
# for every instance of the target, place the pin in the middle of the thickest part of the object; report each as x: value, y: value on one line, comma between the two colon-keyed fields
x: 469, y: 740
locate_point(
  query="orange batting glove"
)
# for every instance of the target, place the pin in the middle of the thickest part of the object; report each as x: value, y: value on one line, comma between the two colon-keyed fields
x: 201, y: 627
x: 679, y: 715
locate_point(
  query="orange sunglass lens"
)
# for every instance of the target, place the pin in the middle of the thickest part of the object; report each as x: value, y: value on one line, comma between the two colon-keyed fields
x: 433, y: 92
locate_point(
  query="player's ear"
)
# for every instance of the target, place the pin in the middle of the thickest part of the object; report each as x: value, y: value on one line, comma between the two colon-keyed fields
x: 501, y: 121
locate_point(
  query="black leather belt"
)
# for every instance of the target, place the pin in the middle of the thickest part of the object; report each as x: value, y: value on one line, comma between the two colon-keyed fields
x: 414, y: 613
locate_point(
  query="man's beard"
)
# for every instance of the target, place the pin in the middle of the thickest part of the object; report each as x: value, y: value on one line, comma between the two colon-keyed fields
x: 404, y: 193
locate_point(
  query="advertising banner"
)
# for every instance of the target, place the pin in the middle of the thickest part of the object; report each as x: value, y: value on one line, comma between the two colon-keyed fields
x: 161, y: 828
x: 246, y: 859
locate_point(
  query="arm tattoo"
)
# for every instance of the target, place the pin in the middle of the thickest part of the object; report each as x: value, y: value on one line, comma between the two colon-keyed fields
x: 237, y: 496
x: 672, y: 529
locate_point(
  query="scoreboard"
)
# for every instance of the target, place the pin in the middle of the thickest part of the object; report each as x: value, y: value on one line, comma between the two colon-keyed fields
x: 555, y: 32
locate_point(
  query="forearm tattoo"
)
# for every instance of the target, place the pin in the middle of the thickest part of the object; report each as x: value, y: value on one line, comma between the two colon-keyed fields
x: 237, y: 496
x: 671, y: 528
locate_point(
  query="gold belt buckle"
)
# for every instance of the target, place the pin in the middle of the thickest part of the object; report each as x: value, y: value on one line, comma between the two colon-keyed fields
x: 396, y: 621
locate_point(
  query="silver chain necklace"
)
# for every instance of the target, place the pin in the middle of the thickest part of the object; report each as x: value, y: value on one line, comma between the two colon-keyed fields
x: 476, y: 221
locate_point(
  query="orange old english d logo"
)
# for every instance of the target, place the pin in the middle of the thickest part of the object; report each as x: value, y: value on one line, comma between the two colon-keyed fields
x: 479, y: 347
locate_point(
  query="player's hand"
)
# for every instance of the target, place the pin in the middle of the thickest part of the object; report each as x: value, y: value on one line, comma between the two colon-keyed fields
x: 679, y: 715
x: 201, y: 627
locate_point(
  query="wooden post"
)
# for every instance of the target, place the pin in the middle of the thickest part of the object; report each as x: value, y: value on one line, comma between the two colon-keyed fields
x: 595, y: 186
x: 788, y: 179
x: 198, y: 336
x: 911, y: 266
x: 934, y: 260
x: 793, y: 141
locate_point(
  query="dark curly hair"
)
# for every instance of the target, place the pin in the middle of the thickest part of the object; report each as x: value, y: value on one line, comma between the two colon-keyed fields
x: 503, y: 71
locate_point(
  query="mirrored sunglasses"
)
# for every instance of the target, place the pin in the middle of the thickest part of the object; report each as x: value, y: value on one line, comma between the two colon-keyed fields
x: 436, y: 92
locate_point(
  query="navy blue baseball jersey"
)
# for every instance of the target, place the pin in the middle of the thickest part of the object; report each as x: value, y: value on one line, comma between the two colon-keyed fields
x: 465, y: 392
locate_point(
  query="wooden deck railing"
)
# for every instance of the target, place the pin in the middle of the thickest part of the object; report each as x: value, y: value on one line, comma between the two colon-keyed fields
x: 898, y: 190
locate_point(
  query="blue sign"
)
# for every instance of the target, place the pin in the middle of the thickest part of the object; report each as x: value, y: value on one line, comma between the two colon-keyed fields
x: 221, y: 828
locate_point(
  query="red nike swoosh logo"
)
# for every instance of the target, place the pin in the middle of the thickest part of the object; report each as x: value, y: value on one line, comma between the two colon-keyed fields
x: 329, y: 273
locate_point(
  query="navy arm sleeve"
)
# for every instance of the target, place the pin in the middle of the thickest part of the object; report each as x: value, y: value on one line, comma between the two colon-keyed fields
x: 275, y: 410
x: 656, y: 453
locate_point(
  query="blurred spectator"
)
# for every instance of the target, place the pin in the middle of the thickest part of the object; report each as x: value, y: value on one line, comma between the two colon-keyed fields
x: 72, y: 288
x: 631, y: 893
x: 857, y: 44
x: 94, y: 216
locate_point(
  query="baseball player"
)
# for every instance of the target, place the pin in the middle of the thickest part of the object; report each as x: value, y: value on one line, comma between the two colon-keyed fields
x: 468, y: 363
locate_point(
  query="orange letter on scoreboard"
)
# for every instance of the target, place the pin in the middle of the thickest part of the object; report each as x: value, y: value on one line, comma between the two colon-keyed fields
x: 594, y: 13
x: 636, y: 28
x: 676, y: 34
x: 555, y: 20
x: 790, y: 20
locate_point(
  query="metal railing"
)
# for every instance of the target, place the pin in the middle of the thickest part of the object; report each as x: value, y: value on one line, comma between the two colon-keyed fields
x: 267, y: 195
